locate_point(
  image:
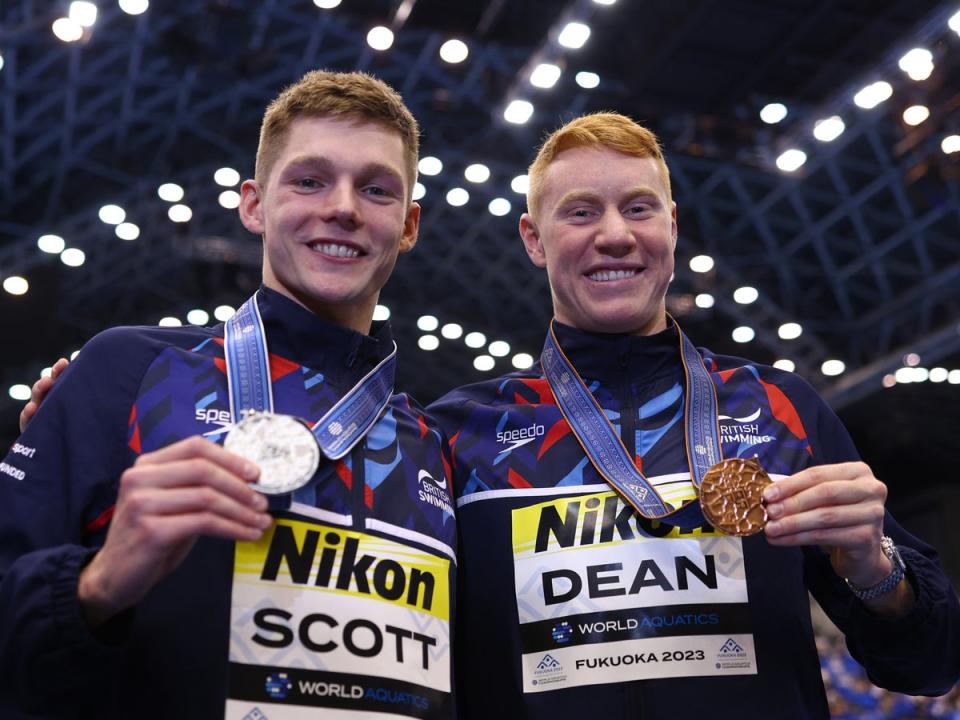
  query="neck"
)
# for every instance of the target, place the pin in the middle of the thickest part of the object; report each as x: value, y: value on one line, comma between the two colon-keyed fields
x: 358, y: 317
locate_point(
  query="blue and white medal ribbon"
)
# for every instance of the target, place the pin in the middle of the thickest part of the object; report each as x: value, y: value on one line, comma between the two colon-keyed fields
x: 606, y: 451
x: 287, y: 451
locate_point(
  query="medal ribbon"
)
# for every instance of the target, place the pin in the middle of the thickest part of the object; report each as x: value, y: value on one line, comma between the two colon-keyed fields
x: 248, y: 380
x: 604, y: 447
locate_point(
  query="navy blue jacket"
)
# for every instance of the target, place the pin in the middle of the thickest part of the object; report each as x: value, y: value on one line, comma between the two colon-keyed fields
x: 573, y: 606
x: 134, y: 390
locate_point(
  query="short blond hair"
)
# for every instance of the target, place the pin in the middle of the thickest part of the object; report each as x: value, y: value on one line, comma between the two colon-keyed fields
x: 353, y: 95
x: 610, y: 129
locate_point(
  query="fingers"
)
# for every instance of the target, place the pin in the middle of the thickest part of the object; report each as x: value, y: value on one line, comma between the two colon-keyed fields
x: 26, y: 415
x: 197, y: 447
x: 58, y: 367
x: 840, y: 506
x: 170, y: 515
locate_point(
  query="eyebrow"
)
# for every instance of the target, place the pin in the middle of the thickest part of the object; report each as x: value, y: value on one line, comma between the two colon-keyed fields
x: 372, y: 169
x: 588, y: 196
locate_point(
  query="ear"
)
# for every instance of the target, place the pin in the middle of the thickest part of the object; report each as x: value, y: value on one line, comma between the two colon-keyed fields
x: 530, y: 235
x: 411, y: 228
x: 251, y: 207
x: 673, y: 223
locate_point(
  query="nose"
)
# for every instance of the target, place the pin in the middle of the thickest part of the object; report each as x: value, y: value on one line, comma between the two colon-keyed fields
x: 340, y: 205
x: 614, y: 235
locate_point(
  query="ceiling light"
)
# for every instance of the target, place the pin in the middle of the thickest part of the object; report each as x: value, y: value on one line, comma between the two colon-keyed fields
x: 451, y: 331
x: 458, y: 196
x: 381, y: 313
x: 917, y: 64
x: 832, y: 367
x: 785, y: 364
x: 920, y: 374
x: 872, y: 95
x: 53, y: 244
x: 520, y: 184
x: 380, y: 38
x: 112, y: 214
x: 954, y: 22
x: 428, y: 342
x: 67, y: 30
x: 743, y: 334
x: 522, y: 361
x: 477, y: 173
x: 604, y: 2
x: 704, y: 300
x: 499, y: 348
x: 226, y: 176
x: 950, y: 144
x: 127, y: 231
x: 171, y: 192
x: 169, y: 321
x: 773, y: 113
x: 499, y: 206
x: 915, y: 114
x: 73, y: 257
x: 483, y: 363
x: 745, y: 295
x: 545, y: 75
x: 83, y: 13
x: 1, y: 61
x: 230, y: 199
x: 791, y: 160
x: 430, y: 165
x: 911, y: 359
x: 954, y: 377
x: 134, y: 7
x: 938, y: 374
x: 518, y: 112
x: 574, y: 35
x: 16, y: 285
x: 789, y: 331
x: 327, y: 4
x: 427, y: 323
x: 701, y: 263
x: 418, y: 191
x: 180, y: 213
x: 223, y: 312
x: 829, y: 129
x: 198, y: 317
x: 587, y: 80
x: 454, y: 51
x: 889, y: 380
x: 475, y: 340
x: 19, y: 392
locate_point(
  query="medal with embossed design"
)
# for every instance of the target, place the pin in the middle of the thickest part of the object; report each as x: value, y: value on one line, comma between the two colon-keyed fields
x: 282, y: 446
x: 731, y: 496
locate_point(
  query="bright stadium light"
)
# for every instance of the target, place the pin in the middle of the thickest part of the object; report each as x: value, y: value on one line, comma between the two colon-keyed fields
x: 743, y: 334
x: 134, y: 7
x: 518, y: 112
x: 198, y: 317
x: 53, y: 244
x: 127, y: 231
x: 428, y: 342
x: 381, y: 313
x: 772, y: 113
x: 223, y: 312
x: 179, y: 213
x: 430, y: 165
x: 520, y: 184
x: 484, y: 363
x: 499, y: 206
x: 67, y: 30
x: 16, y: 285
x: 380, y: 38
x: 477, y: 173
x: 73, y: 257
x: 701, y: 263
x: 785, y: 364
x: 873, y: 94
x: 522, y: 361
x: 418, y: 191
x: 427, y: 323
x: 574, y: 35
x: 226, y: 177
x: 112, y: 214
x: 458, y: 196
x: 704, y: 300
x: 454, y: 51
x: 829, y: 129
x: 916, y: 114
x: 545, y: 75
x: 587, y: 80
x: 790, y: 331
x: 83, y: 13
x: 792, y: 159
x: 171, y: 192
x: 229, y: 199
x: 832, y: 368
x: 451, y: 331
x: 745, y: 295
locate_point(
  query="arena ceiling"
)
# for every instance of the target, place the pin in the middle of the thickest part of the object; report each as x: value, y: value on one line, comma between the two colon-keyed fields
x: 860, y: 245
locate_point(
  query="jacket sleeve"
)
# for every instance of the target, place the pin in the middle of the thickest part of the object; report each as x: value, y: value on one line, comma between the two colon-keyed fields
x: 917, y: 654
x: 57, y: 489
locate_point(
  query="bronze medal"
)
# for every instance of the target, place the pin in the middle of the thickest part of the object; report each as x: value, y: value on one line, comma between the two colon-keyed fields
x: 731, y: 496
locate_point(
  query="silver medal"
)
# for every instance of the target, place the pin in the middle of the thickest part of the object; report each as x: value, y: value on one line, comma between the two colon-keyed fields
x: 283, y: 447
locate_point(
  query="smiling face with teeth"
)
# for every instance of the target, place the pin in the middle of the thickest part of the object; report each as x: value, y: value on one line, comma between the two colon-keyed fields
x: 334, y: 214
x: 605, y: 230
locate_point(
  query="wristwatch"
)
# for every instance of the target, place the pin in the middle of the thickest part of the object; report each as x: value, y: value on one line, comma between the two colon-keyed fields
x: 890, y: 581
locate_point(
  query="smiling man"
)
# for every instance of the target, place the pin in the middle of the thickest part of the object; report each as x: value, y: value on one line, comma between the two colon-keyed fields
x: 594, y: 586
x: 141, y: 574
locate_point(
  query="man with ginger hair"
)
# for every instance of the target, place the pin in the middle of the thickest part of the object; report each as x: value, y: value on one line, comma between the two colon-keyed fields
x: 586, y: 591
x: 141, y: 574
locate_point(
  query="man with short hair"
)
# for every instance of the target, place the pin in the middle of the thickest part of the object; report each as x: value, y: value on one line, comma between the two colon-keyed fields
x: 591, y: 585
x: 141, y: 575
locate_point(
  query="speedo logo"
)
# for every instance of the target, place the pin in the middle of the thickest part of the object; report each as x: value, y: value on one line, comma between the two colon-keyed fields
x: 519, y: 437
x: 212, y: 417
x: 743, y: 430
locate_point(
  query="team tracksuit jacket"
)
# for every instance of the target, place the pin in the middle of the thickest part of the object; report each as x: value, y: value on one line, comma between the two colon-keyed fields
x: 368, y: 547
x: 573, y: 606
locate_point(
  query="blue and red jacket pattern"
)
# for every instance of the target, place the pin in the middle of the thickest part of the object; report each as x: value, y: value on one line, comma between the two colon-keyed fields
x: 512, y: 449
x: 134, y: 390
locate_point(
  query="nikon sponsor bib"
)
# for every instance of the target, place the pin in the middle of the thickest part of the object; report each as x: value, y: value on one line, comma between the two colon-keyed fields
x: 605, y: 595
x: 339, y: 622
